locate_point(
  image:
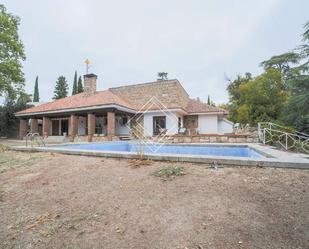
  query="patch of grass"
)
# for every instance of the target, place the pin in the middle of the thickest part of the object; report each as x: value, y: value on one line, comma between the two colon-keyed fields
x: 12, y: 159
x: 48, y: 224
x: 168, y: 173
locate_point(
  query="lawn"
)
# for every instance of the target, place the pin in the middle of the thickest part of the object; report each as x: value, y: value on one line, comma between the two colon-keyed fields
x: 11, y: 160
x: 61, y: 201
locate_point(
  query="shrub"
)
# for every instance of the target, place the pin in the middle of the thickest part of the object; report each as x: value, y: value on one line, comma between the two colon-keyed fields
x: 168, y: 173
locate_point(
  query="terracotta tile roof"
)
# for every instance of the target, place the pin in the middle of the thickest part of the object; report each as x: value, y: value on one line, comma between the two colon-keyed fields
x: 168, y: 93
x: 80, y: 100
x: 195, y: 106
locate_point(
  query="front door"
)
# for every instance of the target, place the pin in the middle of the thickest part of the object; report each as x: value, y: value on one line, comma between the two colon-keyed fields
x: 159, y: 124
x: 55, y: 127
x: 64, y: 127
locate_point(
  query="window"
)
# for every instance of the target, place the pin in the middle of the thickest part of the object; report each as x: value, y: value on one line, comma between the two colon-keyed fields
x: 124, y: 120
x: 159, y: 125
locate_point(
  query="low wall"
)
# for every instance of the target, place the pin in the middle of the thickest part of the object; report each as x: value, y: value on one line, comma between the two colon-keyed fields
x: 201, y: 138
x: 214, y: 138
x: 95, y: 138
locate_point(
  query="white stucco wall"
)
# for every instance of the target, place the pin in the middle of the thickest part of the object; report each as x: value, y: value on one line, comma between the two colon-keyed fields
x: 171, y: 122
x: 122, y: 129
x: 225, y: 126
x: 207, y: 124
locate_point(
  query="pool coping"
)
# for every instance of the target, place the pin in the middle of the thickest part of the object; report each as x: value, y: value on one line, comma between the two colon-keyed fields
x: 250, y: 145
x: 273, y: 157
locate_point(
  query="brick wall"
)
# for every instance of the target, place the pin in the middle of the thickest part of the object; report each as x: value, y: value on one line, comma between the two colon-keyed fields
x: 90, y: 83
x: 22, y: 128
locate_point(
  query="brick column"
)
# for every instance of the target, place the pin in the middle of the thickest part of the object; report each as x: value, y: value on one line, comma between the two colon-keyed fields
x: 34, y: 125
x: 110, y: 125
x: 91, y: 126
x: 73, y: 129
x: 22, y: 128
x: 46, y: 125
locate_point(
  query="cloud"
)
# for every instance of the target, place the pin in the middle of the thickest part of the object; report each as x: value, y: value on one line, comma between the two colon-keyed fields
x: 130, y: 41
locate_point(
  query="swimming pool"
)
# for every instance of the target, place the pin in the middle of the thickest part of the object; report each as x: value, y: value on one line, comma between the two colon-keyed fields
x: 179, y: 149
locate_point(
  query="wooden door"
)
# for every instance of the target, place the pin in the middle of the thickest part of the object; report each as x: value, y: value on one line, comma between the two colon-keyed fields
x: 55, y: 127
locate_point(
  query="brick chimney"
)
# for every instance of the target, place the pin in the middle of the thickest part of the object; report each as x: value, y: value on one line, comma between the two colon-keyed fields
x: 90, y: 83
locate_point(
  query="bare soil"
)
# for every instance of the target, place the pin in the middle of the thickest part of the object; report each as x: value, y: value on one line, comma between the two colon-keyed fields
x: 61, y: 201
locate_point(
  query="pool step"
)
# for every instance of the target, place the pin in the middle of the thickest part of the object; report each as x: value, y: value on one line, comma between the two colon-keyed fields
x: 125, y: 138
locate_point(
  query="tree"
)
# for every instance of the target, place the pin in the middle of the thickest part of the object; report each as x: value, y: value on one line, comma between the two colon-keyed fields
x: 234, y: 95
x: 223, y: 106
x: 11, y: 55
x: 210, y: 102
x: 262, y: 98
x: 297, y: 109
x: 295, y: 68
x: 258, y: 99
x: 75, y: 87
x: 61, y: 88
x: 9, y: 123
x: 36, y: 96
x: 282, y: 62
x: 80, y: 87
x: 162, y: 76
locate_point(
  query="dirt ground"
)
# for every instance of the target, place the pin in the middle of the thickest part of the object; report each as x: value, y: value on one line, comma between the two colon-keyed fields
x: 60, y: 201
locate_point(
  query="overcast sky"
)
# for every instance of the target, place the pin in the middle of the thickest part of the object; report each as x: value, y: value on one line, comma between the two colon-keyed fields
x: 197, y: 41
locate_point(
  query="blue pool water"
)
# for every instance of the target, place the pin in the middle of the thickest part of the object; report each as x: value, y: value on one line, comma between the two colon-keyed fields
x: 211, y: 150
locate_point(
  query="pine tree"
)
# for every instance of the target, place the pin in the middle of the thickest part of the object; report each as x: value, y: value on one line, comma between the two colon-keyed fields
x: 162, y: 76
x: 61, y: 88
x: 80, y: 87
x: 208, y: 100
x: 75, y: 90
x: 36, y: 95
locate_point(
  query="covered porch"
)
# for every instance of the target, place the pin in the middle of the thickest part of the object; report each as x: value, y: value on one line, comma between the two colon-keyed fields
x: 107, y: 124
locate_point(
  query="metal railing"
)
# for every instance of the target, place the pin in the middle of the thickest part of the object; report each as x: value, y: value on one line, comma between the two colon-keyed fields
x: 270, y: 133
x: 34, y: 137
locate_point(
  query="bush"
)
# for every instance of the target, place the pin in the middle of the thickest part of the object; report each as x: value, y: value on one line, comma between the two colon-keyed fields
x: 168, y: 173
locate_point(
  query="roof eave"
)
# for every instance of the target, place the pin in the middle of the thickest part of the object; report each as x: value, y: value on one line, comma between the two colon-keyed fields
x: 87, y: 108
x: 207, y: 113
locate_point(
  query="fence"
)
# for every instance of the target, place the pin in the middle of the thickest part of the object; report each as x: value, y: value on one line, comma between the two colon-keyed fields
x: 270, y: 133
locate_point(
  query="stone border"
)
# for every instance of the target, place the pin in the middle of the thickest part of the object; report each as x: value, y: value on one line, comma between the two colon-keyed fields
x: 215, y: 138
x: 272, y: 160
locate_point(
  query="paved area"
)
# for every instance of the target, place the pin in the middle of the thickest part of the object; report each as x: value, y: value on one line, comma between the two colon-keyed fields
x: 275, y: 158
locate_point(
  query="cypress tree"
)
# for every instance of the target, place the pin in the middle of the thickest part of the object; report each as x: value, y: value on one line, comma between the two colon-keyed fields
x: 80, y: 87
x: 61, y: 88
x: 208, y: 100
x: 75, y: 90
x: 36, y: 96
